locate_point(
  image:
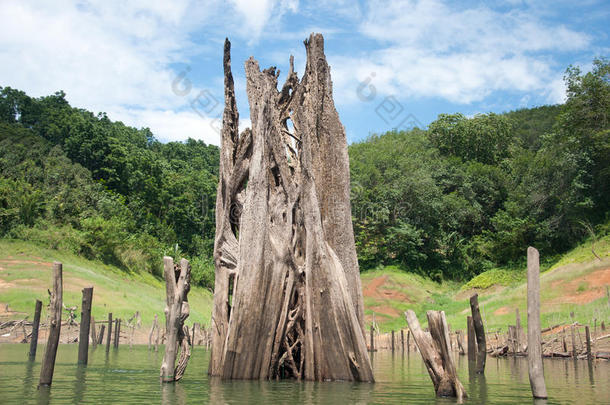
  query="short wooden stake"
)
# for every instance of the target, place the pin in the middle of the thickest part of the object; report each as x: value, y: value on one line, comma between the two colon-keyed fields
x: 35, y: 327
x: 93, y: 333
x: 588, y: 336
x: 48, y: 362
x: 154, y: 326
x: 101, y: 335
x: 85, y: 324
x: 392, y: 341
x: 479, y: 331
x: 471, y: 339
x: 534, y: 347
x: 574, y: 352
x: 109, y: 337
x: 402, y: 339
x: 372, y: 348
x: 409, y: 340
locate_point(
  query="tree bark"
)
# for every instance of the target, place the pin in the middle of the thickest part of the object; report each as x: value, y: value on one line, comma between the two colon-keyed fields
x: 35, y: 327
x: 436, y: 354
x: 479, y: 331
x: 287, y: 298
x: 177, y: 286
x: 85, y: 324
x: 48, y: 362
x: 534, y: 348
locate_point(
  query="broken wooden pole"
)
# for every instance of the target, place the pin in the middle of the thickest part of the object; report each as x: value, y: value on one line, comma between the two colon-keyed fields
x: 93, y: 333
x: 434, y: 349
x: 177, y: 286
x: 55, y: 307
x: 519, y: 332
x: 471, y: 339
x: 402, y: 339
x: 460, y: 342
x: 372, y: 348
x: 392, y: 340
x: 35, y: 327
x: 118, y: 333
x: 85, y: 324
x: 109, y: 337
x: 588, y: 337
x: 534, y: 348
x: 479, y: 331
x: 408, y: 340
x: 101, y: 335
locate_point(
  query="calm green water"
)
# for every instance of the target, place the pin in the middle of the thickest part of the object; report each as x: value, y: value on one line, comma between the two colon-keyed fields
x: 130, y: 376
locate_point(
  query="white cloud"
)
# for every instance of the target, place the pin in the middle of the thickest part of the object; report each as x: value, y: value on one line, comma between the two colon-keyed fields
x: 428, y: 49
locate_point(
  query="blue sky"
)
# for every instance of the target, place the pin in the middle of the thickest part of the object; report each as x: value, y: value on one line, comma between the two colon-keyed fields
x: 394, y: 64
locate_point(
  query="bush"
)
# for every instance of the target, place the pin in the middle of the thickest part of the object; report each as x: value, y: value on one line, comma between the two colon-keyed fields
x: 494, y: 276
x: 202, y: 271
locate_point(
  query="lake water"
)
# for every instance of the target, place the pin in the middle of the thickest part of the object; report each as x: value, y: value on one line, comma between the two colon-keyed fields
x: 131, y: 376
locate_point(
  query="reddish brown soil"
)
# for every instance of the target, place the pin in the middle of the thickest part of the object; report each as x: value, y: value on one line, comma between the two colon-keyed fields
x: 595, y: 282
x: 502, y: 311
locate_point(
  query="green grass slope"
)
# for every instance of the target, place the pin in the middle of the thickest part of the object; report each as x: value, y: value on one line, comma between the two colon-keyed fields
x: 25, y: 275
x: 574, y: 283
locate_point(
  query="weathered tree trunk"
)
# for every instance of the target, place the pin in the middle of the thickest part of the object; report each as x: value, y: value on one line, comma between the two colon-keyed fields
x: 177, y: 286
x: 472, y: 340
x: 287, y: 299
x: 85, y: 324
x: 48, y: 362
x: 435, y: 351
x: 534, y: 348
x: 479, y: 331
x: 35, y: 327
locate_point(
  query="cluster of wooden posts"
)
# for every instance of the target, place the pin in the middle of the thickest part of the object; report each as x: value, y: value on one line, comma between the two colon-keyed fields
x: 177, y: 335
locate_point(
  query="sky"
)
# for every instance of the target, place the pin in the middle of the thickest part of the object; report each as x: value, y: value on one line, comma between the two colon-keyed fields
x: 394, y: 64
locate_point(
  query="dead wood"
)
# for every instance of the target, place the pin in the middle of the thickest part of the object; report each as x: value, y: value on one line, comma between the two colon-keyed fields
x: 287, y: 297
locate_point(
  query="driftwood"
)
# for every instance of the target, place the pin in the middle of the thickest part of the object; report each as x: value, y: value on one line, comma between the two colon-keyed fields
x: 177, y: 286
x: 287, y: 297
x: 436, y: 354
x: 534, y: 356
x: 48, y: 361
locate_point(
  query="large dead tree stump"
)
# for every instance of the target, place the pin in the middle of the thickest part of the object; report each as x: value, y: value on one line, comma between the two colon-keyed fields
x: 177, y: 286
x: 287, y: 297
x: 436, y: 353
x: 48, y: 362
x: 479, y: 330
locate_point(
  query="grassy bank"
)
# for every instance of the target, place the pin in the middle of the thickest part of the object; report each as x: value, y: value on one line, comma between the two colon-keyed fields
x: 573, y: 283
x: 25, y: 275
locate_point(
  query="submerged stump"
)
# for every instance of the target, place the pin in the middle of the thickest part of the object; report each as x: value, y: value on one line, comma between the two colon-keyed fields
x: 287, y: 297
x: 436, y: 353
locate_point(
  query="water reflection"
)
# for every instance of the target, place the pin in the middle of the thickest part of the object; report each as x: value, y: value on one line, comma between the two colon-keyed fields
x: 133, y: 377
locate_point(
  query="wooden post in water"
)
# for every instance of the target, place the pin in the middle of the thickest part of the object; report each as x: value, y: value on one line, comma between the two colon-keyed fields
x: 519, y: 331
x: 434, y: 349
x: 154, y: 326
x: 117, y: 332
x: 472, y: 342
x: 35, y: 327
x: 372, y: 348
x: 479, y: 331
x: 588, y: 336
x: 85, y: 324
x: 93, y: 332
x: 50, y: 353
x: 402, y: 339
x: 109, y: 337
x: 408, y: 340
x: 534, y: 348
x: 392, y: 340
x: 176, y: 311
x: 460, y: 342
x: 574, y: 353
x: 101, y: 335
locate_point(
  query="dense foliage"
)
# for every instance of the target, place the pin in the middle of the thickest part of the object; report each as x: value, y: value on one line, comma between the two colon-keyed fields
x: 464, y: 196
x: 102, y: 189
x: 470, y: 194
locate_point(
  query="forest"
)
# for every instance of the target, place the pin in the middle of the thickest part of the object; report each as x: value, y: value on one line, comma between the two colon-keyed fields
x: 463, y: 196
